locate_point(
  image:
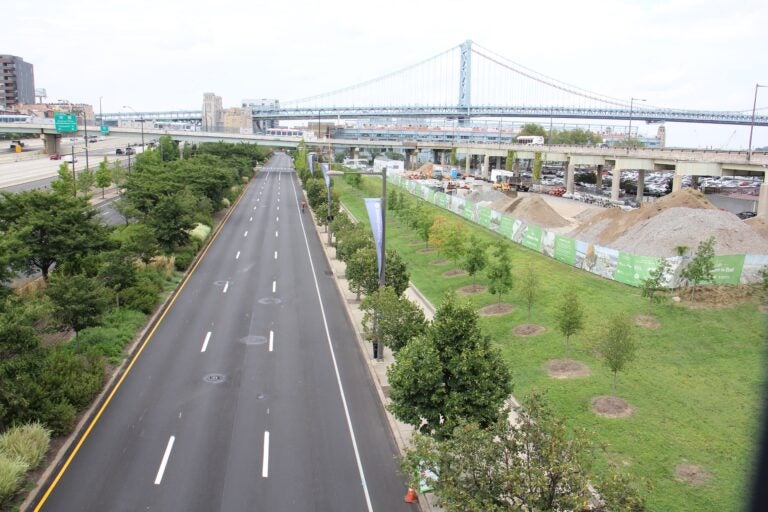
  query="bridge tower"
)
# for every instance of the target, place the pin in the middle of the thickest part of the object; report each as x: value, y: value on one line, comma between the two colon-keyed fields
x: 465, y: 80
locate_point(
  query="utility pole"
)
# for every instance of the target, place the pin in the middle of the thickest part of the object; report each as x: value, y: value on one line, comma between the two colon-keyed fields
x: 752, y: 124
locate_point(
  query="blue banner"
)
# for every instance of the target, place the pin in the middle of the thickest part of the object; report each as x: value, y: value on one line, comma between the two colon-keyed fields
x: 311, y: 163
x: 326, y: 168
x: 373, y: 205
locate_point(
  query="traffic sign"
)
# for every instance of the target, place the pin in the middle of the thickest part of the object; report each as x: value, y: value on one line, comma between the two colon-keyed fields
x: 104, y: 129
x: 65, y: 122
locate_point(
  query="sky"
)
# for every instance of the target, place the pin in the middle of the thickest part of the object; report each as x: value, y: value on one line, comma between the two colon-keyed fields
x: 163, y: 55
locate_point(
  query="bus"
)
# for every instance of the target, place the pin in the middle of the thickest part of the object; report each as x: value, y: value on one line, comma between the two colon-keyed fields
x: 530, y: 140
x: 15, y: 118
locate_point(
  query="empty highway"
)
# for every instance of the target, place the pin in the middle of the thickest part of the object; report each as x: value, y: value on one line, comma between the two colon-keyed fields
x: 250, y: 393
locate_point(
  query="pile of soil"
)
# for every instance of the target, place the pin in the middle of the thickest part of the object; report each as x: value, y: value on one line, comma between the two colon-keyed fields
x: 486, y: 195
x: 659, y: 235
x: 758, y: 225
x: 685, y: 218
x: 535, y: 210
x: 426, y: 170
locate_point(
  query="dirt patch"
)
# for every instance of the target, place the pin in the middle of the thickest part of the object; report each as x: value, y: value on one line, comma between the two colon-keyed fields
x: 647, y: 321
x: 535, y: 210
x: 611, y: 407
x: 528, y: 329
x: 414, y: 243
x: 472, y: 289
x: 496, y: 309
x: 454, y: 272
x: 759, y: 225
x: 566, y: 369
x: 408, y: 236
x: 49, y: 339
x: 439, y: 261
x: 692, y: 474
x: 426, y: 250
x: 717, y: 296
x: 763, y: 308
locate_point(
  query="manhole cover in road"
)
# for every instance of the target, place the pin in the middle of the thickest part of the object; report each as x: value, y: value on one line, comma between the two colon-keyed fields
x: 270, y: 300
x: 214, y: 378
x: 253, y: 340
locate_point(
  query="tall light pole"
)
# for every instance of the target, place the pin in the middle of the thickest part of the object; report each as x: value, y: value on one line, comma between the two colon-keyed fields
x: 142, y: 125
x: 101, y: 115
x: 752, y: 124
x: 631, y: 104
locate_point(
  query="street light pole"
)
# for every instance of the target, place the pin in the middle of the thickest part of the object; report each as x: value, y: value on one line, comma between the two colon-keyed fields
x: 101, y: 115
x: 631, y: 104
x: 74, y: 175
x: 752, y: 124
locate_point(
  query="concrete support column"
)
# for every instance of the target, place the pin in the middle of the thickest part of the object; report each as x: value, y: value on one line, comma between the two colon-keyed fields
x: 615, y: 184
x: 599, y: 178
x: 498, y: 162
x: 486, y: 166
x: 640, y: 185
x: 694, y: 182
x: 51, y: 143
x: 355, y: 153
x: 762, y: 202
x: 570, y: 174
x: 467, y: 161
x: 677, y: 183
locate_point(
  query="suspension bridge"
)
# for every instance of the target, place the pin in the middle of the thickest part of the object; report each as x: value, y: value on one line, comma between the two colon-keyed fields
x: 470, y: 81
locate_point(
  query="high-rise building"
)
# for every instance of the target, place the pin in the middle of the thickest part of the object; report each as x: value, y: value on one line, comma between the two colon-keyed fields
x: 17, y: 81
x: 212, y: 112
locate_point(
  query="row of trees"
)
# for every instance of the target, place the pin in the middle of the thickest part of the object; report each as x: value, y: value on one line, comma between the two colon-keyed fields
x: 450, y: 383
x: 93, y: 275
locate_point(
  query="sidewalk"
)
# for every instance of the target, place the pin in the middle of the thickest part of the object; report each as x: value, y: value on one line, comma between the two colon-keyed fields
x: 378, y: 369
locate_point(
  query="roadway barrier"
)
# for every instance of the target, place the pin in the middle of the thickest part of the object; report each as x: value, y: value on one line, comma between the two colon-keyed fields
x: 606, y: 262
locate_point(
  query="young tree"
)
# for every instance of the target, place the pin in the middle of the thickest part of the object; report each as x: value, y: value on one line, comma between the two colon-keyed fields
x: 652, y: 284
x: 529, y: 288
x: 362, y: 273
x: 616, y: 343
x: 450, y: 374
x: 699, y: 269
x: 500, y: 271
x: 118, y: 176
x: 171, y: 221
x: 64, y: 183
x: 537, y: 167
x: 357, y: 237
x: 168, y: 148
x: 85, y: 181
x: 535, y: 464
x: 137, y: 240
x: 398, y: 320
x: 79, y: 301
x: 103, y: 176
x: 118, y: 272
x: 476, y: 257
x: 454, y: 243
x: 569, y: 316
x: 396, y: 273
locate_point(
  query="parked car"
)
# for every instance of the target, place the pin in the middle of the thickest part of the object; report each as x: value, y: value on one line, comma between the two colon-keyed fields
x: 119, y: 151
x: 746, y: 215
x: 55, y: 156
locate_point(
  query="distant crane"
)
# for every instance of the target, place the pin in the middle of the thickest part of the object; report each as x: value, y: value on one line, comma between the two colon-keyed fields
x: 728, y: 142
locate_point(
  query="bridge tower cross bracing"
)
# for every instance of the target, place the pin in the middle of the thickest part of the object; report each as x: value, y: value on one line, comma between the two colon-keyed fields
x: 465, y: 80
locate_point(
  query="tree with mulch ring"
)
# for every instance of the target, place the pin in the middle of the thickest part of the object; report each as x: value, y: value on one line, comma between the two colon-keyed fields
x: 475, y: 260
x: 692, y: 474
x: 609, y: 406
x: 566, y: 369
x: 455, y: 272
x: 616, y: 344
x: 647, y: 321
x: 439, y: 261
x: 499, y: 271
x: 569, y: 316
x: 471, y: 289
x: 528, y: 330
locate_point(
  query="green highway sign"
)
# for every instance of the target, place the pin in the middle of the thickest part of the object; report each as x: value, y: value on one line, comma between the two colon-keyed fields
x: 104, y: 129
x: 65, y: 122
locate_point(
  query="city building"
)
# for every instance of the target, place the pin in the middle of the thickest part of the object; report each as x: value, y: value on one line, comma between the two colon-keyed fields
x: 212, y: 112
x: 237, y: 120
x: 17, y: 81
x: 252, y: 105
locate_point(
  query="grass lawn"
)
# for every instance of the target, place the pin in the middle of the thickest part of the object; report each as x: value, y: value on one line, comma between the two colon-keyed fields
x: 695, y: 385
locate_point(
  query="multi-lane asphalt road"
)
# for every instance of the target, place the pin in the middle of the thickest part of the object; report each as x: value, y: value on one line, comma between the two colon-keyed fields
x: 250, y: 393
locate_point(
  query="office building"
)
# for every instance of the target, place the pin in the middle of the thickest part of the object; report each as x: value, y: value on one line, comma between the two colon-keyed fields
x: 17, y: 81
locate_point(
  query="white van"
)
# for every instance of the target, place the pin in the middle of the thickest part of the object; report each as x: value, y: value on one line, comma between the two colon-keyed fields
x: 69, y: 159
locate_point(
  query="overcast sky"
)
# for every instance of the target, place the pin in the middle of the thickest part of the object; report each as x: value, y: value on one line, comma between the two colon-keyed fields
x: 161, y: 54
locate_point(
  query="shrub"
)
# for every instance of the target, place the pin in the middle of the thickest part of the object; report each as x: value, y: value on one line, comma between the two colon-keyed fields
x: 27, y: 442
x: 75, y: 378
x: 200, y: 232
x: 184, y: 257
x: 225, y: 203
x: 119, y: 328
x: 12, y: 470
x: 142, y: 297
x: 58, y: 416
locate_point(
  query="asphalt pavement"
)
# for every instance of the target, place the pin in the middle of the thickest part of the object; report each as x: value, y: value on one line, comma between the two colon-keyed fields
x: 250, y: 393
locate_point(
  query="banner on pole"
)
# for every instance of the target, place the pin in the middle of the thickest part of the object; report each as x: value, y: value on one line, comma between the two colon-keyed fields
x: 373, y: 205
x: 311, y: 163
x: 326, y: 168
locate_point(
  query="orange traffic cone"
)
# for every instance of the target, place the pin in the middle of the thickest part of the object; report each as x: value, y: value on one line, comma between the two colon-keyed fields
x: 410, y: 496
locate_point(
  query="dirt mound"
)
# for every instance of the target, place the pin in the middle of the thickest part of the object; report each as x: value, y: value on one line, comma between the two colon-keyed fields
x: 608, y: 225
x: 426, y: 170
x: 611, y: 407
x: 660, y: 234
x: 486, y: 195
x: 528, y: 329
x: 535, y: 210
x: 692, y: 474
x: 566, y: 369
x: 496, y: 309
x: 758, y: 225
